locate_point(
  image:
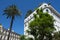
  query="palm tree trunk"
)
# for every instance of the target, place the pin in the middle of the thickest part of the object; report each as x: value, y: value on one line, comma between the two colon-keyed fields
x: 10, y: 27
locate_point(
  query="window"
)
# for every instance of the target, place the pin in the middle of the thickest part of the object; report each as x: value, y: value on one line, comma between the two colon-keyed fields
x: 14, y: 35
x: 45, y: 5
x: 28, y: 19
x: 25, y: 25
x: 18, y: 36
x: 2, y: 37
x: 6, y: 37
x: 46, y: 10
x: 30, y: 16
x: 7, y: 32
x: 4, y: 32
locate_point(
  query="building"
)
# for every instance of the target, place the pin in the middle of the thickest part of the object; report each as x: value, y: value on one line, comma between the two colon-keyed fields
x: 4, y: 34
x: 46, y: 8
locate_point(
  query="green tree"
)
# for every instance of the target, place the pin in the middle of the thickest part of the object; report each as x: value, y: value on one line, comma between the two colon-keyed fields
x: 42, y: 26
x: 22, y: 37
x: 11, y: 12
x: 29, y: 38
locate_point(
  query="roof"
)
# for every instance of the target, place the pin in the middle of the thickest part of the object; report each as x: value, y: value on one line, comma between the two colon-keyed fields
x: 53, y: 10
x: 11, y: 32
x: 50, y: 7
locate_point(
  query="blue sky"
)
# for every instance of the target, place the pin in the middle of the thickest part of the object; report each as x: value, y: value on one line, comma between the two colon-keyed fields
x: 24, y: 6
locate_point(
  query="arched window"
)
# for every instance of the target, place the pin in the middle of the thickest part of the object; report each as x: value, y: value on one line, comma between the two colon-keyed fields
x: 47, y: 10
x: 45, y: 5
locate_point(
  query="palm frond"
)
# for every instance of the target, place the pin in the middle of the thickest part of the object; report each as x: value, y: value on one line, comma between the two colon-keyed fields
x: 12, y: 11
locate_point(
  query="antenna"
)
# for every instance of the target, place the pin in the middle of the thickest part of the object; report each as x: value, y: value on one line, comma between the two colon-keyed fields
x: 49, y: 2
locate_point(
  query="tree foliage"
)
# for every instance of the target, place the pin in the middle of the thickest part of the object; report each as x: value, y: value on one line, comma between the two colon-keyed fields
x: 23, y: 37
x: 42, y: 26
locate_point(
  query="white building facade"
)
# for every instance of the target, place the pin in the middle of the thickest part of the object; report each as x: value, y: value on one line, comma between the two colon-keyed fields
x: 4, y: 34
x: 46, y: 7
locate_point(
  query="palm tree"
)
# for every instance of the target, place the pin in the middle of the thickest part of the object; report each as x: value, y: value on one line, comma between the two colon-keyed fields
x: 11, y: 12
